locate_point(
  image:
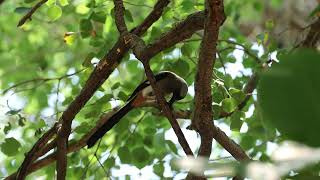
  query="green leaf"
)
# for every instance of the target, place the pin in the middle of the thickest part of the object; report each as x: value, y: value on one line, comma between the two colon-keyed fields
x: 109, y: 163
x: 132, y: 65
x: 128, y: 15
x: 289, y: 96
x: 54, y: 12
x: 125, y: 155
x: 7, y: 128
x: 85, y: 28
x: 122, y: 96
x: 22, y: 10
x: 187, y: 49
x: 158, y: 169
x: 236, y: 121
x: 141, y: 156
x: 148, y: 141
x: 104, y: 99
x: 99, y: 17
x: 41, y: 123
x: 64, y: 2
x: 248, y: 62
x: 229, y: 104
x: 187, y: 5
x: 172, y: 146
x: 115, y: 86
x: 97, y: 41
x: 155, y: 33
x: 50, y: 2
x: 10, y: 147
x: 83, y: 128
x: 247, y: 142
x: 217, y: 96
x: 181, y: 67
x: 150, y: 130
x: 21, y: 121
x: 92, y: 114
x: 237, y: 94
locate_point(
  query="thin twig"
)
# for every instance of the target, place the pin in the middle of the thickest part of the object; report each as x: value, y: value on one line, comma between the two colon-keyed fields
x: 35, y: 80
x: 30, y: 13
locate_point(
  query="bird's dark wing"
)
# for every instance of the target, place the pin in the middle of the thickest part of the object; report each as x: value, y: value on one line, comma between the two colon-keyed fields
x: 146, y: 83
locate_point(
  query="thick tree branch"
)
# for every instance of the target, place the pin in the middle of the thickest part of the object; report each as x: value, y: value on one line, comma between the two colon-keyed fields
x: 151, y: 18
x: 202, y: 120
x: 62, y: 140
x: 178, y: 33
x: 229, y: 145
x: 119, y: 16
x: 30, y: 13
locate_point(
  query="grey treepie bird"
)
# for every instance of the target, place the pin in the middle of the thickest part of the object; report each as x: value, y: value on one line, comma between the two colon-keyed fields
x: 168, y: 82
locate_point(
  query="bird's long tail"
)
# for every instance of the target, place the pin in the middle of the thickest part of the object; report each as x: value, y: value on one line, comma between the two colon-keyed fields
x: 113, y: 120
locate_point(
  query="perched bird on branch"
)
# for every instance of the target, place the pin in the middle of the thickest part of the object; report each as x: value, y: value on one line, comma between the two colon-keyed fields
x: 168, y: 82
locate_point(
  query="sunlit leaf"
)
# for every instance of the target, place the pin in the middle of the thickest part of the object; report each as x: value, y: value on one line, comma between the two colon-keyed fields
x: 64, y: 2
x: 229, y: 104
x: 54, y: 12
x: 69, y: 37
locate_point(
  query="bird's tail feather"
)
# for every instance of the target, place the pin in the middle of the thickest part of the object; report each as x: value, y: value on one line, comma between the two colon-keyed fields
x: 114, y: 119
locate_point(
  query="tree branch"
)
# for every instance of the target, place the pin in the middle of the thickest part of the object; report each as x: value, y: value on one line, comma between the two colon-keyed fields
x: 41, y: 80
x: 181, y: 31
x: 119, y: 16
x: 62, y: 140
x: 202, y: 120
x: 33, y: 154
x: 30, y: 13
